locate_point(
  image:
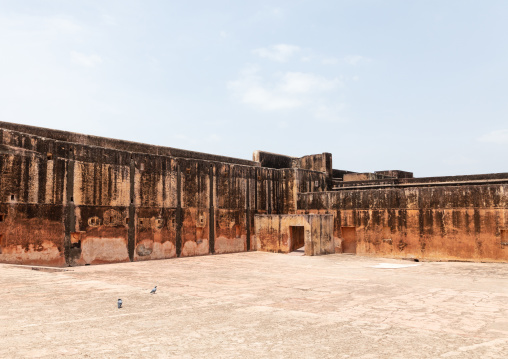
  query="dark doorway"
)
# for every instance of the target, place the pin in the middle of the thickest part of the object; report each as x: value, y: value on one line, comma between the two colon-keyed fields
x: 297, y: 236
x: 348, y: 239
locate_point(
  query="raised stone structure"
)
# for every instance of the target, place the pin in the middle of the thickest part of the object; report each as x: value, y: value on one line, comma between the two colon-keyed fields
x: 72, y: 199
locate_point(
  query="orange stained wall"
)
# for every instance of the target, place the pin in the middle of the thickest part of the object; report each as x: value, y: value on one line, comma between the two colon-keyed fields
x: 462, y: 222
x: 76, y: 203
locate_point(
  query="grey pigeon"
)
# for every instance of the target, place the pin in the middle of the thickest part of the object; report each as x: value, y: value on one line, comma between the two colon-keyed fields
x: 153, y: 290
x: 120, y: 303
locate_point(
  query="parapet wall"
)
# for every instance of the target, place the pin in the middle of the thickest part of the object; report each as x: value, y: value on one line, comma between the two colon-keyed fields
x: 115, y: 144
x: 436, y: 221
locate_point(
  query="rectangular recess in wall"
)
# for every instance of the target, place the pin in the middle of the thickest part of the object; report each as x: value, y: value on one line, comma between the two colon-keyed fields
x: 2, y: 217
x: 504, y: 237
x: 348, y: 239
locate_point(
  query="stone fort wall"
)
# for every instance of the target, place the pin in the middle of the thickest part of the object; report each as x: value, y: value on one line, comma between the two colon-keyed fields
x: 73, y: 199
x: 463, y: 218
x: 70, y: 199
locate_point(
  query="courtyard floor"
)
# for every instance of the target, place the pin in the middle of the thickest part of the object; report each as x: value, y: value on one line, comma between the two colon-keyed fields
x: 257, y: 305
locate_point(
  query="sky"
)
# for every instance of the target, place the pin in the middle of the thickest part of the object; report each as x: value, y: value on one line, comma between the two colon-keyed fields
x: 419, y: 86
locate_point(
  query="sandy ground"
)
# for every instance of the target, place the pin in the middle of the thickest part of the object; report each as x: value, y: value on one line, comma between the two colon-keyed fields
x: 257, y: 305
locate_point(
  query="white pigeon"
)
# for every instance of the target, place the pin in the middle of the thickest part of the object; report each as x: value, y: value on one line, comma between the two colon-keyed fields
x: 153, y: 290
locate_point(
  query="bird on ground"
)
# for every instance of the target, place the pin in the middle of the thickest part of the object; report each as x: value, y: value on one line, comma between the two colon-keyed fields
x: 120, y: 303
x: 153, y: 290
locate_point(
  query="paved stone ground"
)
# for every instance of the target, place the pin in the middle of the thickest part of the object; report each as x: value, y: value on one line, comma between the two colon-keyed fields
x: 257, y: 305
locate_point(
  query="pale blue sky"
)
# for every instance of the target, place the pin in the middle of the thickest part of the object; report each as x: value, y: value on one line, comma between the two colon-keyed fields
x: 420, y: 86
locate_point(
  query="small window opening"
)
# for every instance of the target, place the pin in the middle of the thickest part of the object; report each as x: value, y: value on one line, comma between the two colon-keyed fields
x: 127, y: 220
x: 110, y: 219
x: 50, y: 156
x: 132, y: 200
x: 12, y: 197
x: 1, y: 217
x: 72, y: 199
x: 140, y: 221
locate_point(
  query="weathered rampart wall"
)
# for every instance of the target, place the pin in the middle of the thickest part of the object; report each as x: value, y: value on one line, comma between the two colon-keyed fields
x: 121, y: 145
x: 467, y: 221
x: 74, y: 203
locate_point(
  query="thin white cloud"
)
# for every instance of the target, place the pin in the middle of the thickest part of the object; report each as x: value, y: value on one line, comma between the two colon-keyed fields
x: 85, y: 60
x: 304, y: 83
x: 279, y: 53
x: 498, y: 137
x: 251, y: 90
x: 356, y: 60
x: 282, y: 91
